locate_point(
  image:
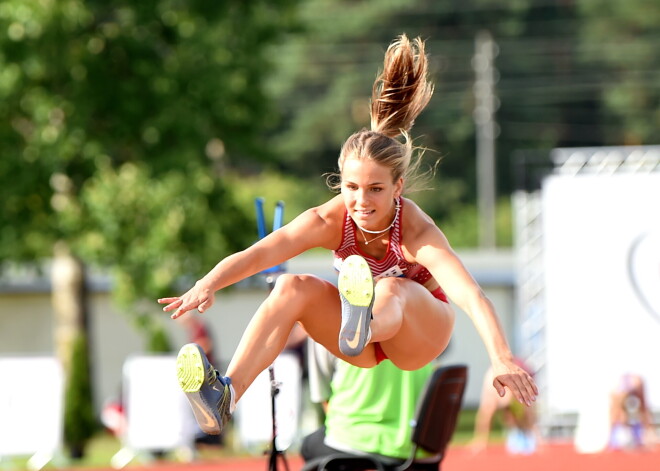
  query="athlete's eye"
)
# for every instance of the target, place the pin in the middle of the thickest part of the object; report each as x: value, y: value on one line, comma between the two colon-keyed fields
x: 376, y: 189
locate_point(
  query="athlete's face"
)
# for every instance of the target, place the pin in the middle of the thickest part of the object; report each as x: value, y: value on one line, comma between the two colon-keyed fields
x: 369, y: 193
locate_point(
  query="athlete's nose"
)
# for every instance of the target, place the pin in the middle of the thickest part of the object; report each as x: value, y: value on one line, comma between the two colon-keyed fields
x: 362, y: 199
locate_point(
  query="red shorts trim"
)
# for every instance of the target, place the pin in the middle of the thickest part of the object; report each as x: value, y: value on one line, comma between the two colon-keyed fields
x: 380, y: 354
x: 438, y: 293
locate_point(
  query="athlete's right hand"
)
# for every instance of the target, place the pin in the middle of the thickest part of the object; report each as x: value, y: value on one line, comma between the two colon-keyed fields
x: 198, y: 297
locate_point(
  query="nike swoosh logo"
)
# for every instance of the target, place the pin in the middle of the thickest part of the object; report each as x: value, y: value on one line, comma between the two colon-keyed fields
x: 205, y: 418
x: 353, y: 343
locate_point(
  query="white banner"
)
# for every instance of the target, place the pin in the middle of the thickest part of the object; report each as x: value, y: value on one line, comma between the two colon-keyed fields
x: 254, y: 411
x: 31, y: 406
x: 602, y: 268
x: 158, y: 415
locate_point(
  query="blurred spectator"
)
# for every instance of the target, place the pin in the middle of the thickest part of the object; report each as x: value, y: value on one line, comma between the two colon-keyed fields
x: 199, y: 333
x: 113, y: 416
x: 522, y: 435
x: 631, y: 424
x: 297, y: 344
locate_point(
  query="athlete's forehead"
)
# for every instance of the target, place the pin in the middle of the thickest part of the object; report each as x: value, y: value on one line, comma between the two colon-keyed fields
x: 365, y: 172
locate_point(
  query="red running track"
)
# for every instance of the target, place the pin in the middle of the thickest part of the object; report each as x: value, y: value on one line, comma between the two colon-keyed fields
x: 555, y: 457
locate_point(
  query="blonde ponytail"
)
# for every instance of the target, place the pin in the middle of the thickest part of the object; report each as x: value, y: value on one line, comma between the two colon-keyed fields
x: 402, y: 90
x: 399, y: 95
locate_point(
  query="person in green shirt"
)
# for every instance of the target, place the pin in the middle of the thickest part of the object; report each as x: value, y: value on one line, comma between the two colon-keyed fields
x: 367, y: 410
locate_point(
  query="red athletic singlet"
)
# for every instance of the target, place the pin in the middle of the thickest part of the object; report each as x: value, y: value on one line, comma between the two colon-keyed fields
x: 393, y: 263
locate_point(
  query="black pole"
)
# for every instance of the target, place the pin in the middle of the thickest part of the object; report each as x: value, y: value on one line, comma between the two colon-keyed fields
x: 274, y: 391
x: 271, y: 276
x: 274, y: 452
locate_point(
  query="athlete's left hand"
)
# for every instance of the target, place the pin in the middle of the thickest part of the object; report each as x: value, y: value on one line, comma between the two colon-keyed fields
x: 520, y: 383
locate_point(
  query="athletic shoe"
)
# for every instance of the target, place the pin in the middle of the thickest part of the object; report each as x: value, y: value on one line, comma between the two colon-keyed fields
x: 356, y: 289
x: 209, y: 393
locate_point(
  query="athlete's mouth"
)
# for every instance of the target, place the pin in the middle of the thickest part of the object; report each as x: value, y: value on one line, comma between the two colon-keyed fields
x: 364, y: 212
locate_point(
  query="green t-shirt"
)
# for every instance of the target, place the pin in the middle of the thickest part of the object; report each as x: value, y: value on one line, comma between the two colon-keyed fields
x: 371, y: 409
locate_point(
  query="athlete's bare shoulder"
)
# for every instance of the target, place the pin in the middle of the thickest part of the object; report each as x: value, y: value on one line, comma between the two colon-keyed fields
x: 418, y: 229
x: 415, y: 219
x: 324, y: 222
x: 332, y: 212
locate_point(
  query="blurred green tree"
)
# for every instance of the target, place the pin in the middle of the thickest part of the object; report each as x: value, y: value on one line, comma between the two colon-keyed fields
x: 79, y: 419
x: 568, y: 74
x: 118, y: 121
x: 324, y: 85
x: 106, y: 105
x: 623, y: 39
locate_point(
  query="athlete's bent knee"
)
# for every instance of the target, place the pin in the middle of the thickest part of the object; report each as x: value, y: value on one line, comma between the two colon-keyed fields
x: 294, y: 284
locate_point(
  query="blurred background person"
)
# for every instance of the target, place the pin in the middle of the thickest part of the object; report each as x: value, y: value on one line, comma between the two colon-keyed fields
x: 631, y: 423
x: 521, y: 432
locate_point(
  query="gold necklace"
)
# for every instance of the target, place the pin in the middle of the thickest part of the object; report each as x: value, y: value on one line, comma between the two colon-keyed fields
x: 381, y: 233
x: 366, y: 242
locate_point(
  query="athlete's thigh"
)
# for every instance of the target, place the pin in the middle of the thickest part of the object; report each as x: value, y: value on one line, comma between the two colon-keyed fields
x: 321, y: 319
x: 426, y: 327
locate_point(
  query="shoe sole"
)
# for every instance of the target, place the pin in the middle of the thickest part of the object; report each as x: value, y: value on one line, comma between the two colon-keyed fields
x: 356, y: 288
x: 190, y: 369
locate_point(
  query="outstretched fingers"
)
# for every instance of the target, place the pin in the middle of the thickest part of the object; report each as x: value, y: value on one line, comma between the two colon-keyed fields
x: 185, y: 303
x: 176, y: 303
x: 522, y: 386
x: 172, y: 303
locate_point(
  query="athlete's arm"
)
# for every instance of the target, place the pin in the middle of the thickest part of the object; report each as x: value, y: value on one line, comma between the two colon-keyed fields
x: 316, y: 227
x: 429, y: 247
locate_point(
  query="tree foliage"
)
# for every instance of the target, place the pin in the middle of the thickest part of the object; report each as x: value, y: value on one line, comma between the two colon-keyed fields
x: 80, y: 422
x: 105, y: 106
x: 118, y: 121
x: 623, y: 38
x: 569, y: 74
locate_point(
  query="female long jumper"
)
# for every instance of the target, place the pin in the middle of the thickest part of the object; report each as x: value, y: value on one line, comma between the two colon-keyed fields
x: 396, y: 267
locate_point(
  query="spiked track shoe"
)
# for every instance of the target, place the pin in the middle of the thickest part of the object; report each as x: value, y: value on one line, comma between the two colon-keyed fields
x: 209, y: 393
x: 356, y: 289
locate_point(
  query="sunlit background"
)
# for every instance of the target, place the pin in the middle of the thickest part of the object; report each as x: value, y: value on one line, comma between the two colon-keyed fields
x: 135, y: 137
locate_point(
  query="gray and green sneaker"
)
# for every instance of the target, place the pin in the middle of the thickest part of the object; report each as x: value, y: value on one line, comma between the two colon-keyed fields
x: 209, y: 393
x: 356, y: 289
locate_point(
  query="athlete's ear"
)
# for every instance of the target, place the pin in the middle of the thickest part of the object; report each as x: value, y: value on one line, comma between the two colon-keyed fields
x: 398, y: 187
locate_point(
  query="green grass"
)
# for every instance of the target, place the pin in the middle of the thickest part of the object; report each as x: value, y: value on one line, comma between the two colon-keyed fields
x: 98, y: 454
x: 465, y: 428
x: 104, y: 446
